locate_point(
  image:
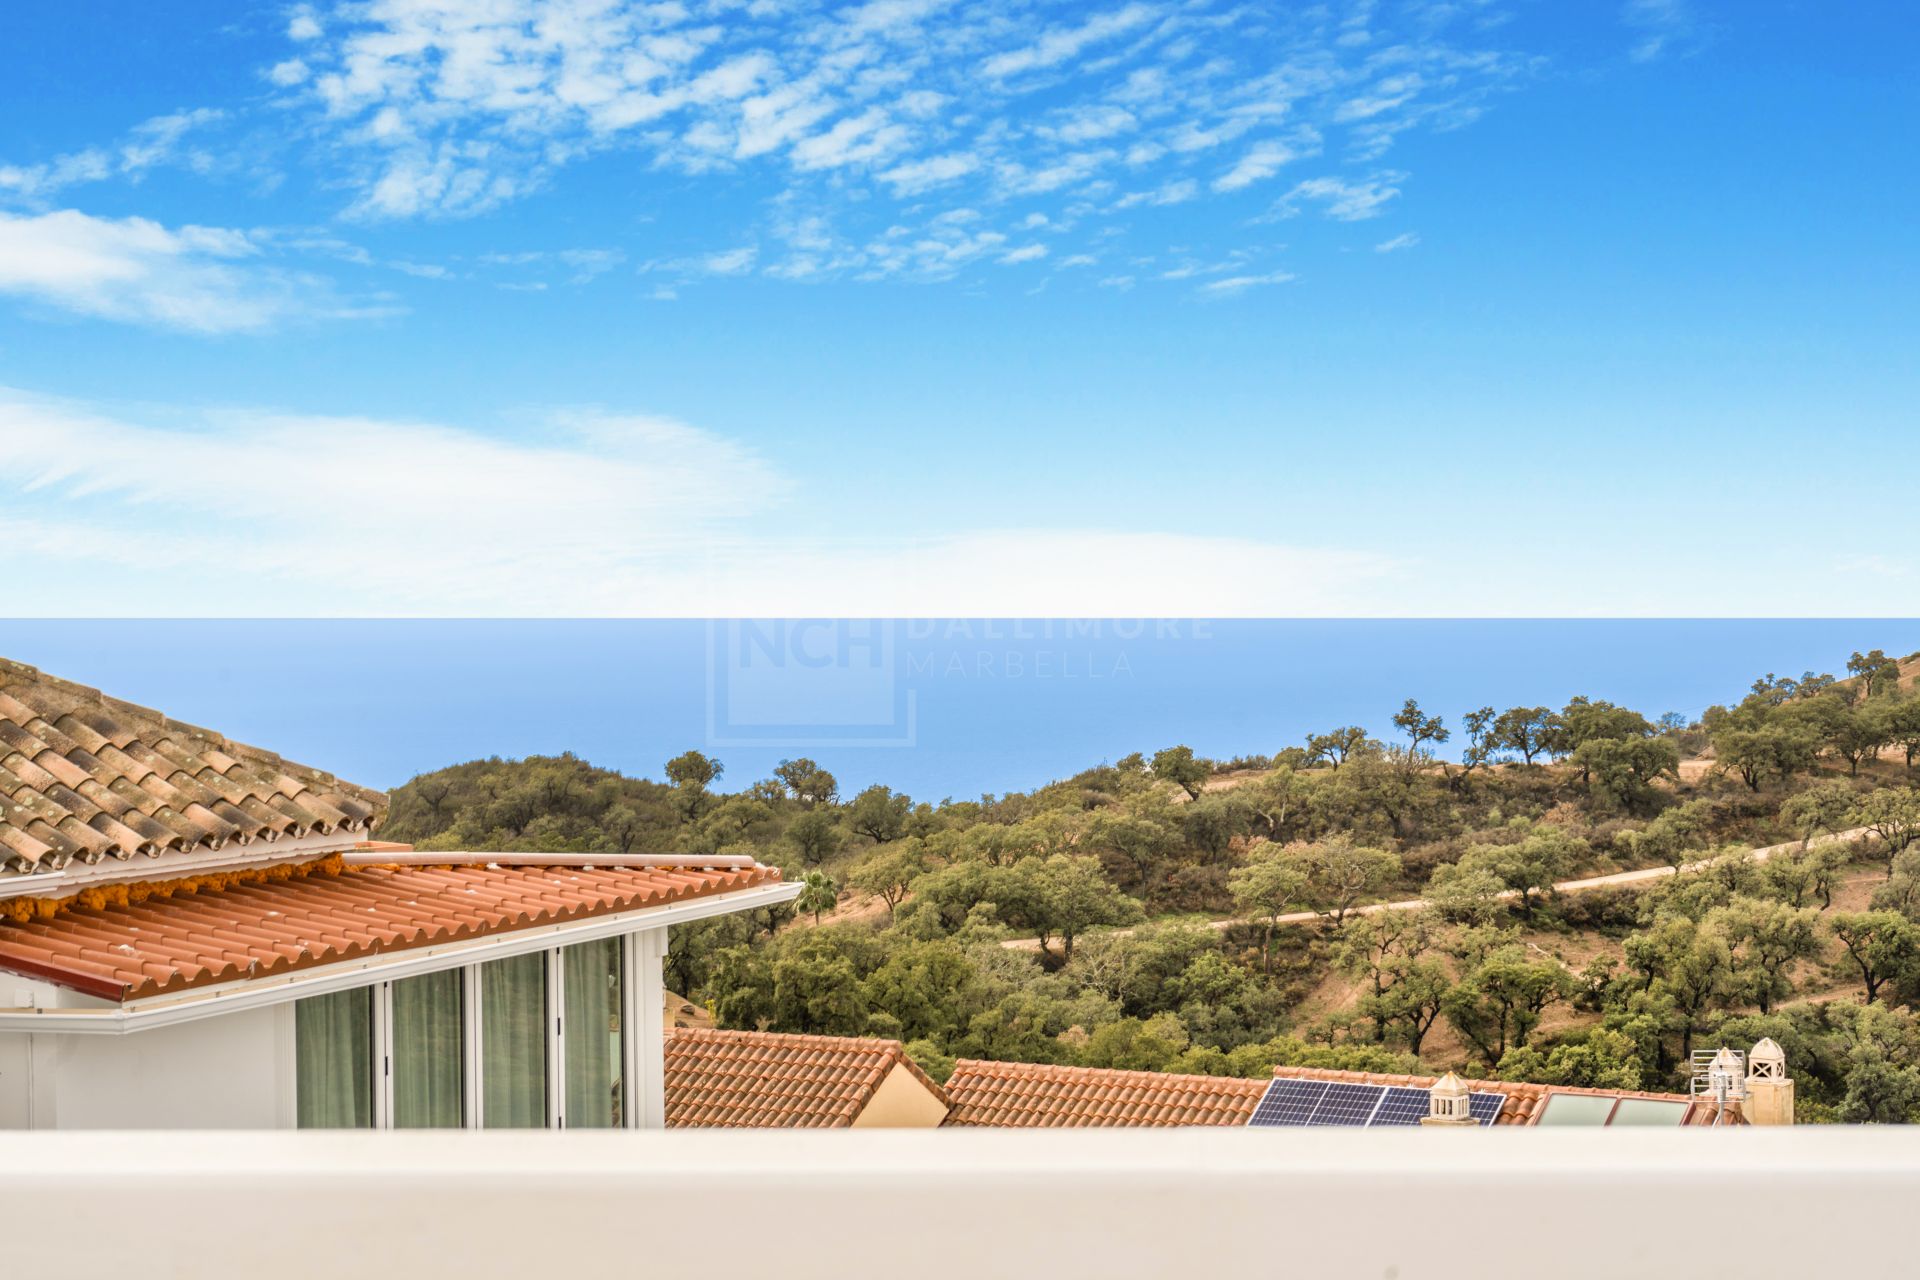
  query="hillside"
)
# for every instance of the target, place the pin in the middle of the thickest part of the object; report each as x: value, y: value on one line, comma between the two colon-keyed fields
x: 1182, y: 914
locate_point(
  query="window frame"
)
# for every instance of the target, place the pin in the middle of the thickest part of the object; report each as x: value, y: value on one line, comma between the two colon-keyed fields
x: 472, y: 1060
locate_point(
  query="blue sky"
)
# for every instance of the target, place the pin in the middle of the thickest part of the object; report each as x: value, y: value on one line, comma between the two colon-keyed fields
x: 1492, y: 307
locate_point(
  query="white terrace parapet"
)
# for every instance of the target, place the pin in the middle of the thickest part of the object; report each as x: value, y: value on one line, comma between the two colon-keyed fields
x: 1314, y: 1204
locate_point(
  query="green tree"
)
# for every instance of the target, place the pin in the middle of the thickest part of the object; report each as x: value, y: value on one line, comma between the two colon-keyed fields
x: 1334, y: 748
x: 1412, y: 999
x: 1472, y: 896
x: 807, y: 782
x: 691, y: 774
x: 1893, y: 814
x: 1525, y: 730
x: 1874, y: 674
x: 1766, y: 940
x: 1497, y: 1004
x: 1765, y: 752
x: 815, y: 836
x: 1178, y: 766
x: 692, y: 770
x: 879, y: 814
x: 1825, y: 807
x: 1858, y: 734
x: 1800, y: 876
x: 929, y: 989
x: 889, y: 872
x: 1882, y: 946
x: 1272, y: 883
x: 1531, y: 865
x: 816, y: 989
x: 1594, y: 1058
x: 1063, y: 896
x: 818, y: 895
x: 1585, y: 720
x: 1625, y: 769
x: 1376, y: 948
x: 1341, y: 874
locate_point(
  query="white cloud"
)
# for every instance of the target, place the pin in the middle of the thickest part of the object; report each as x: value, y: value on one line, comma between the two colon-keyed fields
x: 1659, y: 24
x: 661, y: 520
x: 1062, y: 43
x: 200, y: 279
x: 1405, y: 240
x: 148, y: 145
x: 731, y: 263
x: 302, y: 25
x: 1262, y: 160
x: 923, y: 175
x: 289, y: 73
x: 1239, y: 284
x: 1025, y: 253
x: 1341, y: 199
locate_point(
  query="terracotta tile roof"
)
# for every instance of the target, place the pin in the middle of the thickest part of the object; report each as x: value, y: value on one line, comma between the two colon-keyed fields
x: 86, y: 777
x: 1026, y: 1095
x: 764, y: 1080
x: 247, y: 930
x: 1525, y: 1101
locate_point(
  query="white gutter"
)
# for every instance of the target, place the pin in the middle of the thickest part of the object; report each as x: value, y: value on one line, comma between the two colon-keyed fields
x: 253, y: 993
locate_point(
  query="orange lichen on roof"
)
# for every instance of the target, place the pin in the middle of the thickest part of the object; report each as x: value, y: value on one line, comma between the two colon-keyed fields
x: 1525, y: 1101
x: 769, y: 1080
x: 257, y: 927
x: 132, y: 893
x: 85, y: 777
x: 1030, y: 1095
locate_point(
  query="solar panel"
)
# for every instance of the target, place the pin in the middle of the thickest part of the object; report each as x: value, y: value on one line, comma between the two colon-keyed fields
x: 1485, y: 1107
x: 1288, y: 1102
x: 1350, y: 1105
x: 1402, y: 1105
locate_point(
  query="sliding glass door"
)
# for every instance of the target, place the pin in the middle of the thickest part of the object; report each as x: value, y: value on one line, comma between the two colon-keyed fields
x: 333, y: 1060
x: 513, y: 1042
x: 592, y: 1044
x: 524, y: 1042
x: 428, y: 1051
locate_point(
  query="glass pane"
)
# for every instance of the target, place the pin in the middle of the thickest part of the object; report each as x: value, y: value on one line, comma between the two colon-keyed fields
x: 1575, y: 1108
x: 513, y: 1042
x: 426, y: 1051
x: 1649, y: 1111
x: 333, y: 1060
x: 591, y: 972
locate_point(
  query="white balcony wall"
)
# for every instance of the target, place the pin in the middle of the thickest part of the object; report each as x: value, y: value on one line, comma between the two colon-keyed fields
x: 1060, y: 1204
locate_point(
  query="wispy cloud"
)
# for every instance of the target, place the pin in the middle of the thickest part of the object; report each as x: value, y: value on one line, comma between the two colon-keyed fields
x: 454, y: 110
x: 1239, y: 284
x: 1658, y: 26
x: 203, y: 516
x: 1343, y: 199
x: 148, y: 145
x: 881, y: 119
x: 198, y: 279
x: 1405, y: 240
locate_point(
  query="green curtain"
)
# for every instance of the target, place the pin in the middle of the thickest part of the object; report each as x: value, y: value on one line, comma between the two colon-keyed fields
x: 426, y: 1051
x: 591, y: 974
x: 333, y: 1060
x: 513, y: 1042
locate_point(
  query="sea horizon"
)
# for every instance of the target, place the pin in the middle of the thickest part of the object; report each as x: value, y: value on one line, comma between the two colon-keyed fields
x: 933, y: 707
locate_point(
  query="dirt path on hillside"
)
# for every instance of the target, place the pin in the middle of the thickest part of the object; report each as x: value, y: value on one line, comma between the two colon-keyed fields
x: 1643, y: 876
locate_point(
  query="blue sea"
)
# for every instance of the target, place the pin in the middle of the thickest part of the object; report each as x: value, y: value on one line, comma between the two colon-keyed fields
x: 954, y: 707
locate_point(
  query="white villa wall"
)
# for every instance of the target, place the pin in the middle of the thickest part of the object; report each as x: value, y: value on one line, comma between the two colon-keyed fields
x: 228, y: 1072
